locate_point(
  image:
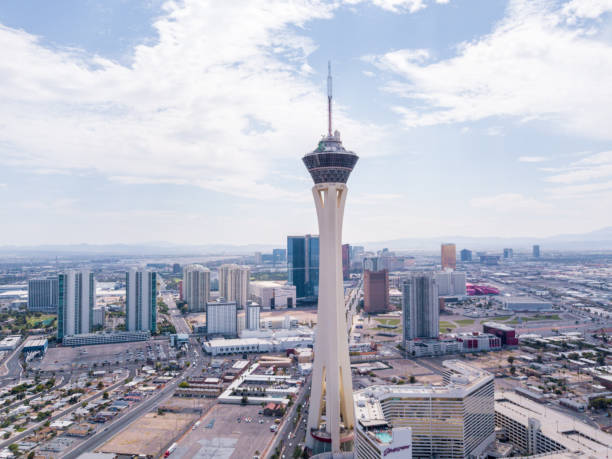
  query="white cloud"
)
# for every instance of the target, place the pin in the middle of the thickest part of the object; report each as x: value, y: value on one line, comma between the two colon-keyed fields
x: 397, y: 6
x: 223, y: 95
x: 507, y: 202
x: 3, y: 185
x: 589, y: 168
x: 531, y: 66
x: 589, y: 9
x: 532, y: 159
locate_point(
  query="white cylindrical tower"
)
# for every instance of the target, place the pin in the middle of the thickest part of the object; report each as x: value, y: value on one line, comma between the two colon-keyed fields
x: 331, y: 418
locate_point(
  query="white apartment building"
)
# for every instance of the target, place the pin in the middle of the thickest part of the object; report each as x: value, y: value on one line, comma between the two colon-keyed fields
x: 234, y: 284
x: 141, y: 301
x: 77, y: 298
x: 456, y: 420
x: 222, y: 319
x: 451, y: 283
x: 196, y: 287
x: 252, y: 316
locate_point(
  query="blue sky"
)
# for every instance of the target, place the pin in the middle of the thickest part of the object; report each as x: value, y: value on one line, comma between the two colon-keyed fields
x: 186, y: 121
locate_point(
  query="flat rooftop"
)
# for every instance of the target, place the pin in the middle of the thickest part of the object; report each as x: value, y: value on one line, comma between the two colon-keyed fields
x: 572, y: 433
x: 498, y: 325
x: 464, y: 378
x: 522, y: 299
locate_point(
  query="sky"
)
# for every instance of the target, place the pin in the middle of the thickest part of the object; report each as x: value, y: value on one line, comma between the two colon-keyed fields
x: 127, y: 121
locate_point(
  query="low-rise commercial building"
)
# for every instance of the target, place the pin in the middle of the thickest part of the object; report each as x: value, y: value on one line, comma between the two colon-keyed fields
x: 10, y: 343
x: 35, y: 345
x: 525, y: 303
x: 87, y: 339
x: 273, y: 295
x: 273, y: 343
x: 506, y: 333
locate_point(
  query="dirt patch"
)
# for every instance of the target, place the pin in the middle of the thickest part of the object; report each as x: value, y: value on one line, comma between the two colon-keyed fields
x: 150, y: 434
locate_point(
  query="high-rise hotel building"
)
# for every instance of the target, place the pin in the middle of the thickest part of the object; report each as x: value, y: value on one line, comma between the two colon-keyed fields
x: 448, y: 256
x: 456, y: 420
x: 141, y: 301
x: 303, y: 266
x: 43, y: 295
x: 420, y: 306
x: 196, y: 287
x: 76, y: 301
x: 234, y: 284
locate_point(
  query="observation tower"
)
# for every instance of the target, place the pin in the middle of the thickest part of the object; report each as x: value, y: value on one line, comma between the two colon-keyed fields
x: 331, y: 418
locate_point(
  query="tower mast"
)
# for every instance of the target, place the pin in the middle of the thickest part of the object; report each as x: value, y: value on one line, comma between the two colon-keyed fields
x: 329, y: 99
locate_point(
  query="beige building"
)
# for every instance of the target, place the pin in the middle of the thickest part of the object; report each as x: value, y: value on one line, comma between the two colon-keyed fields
x: 234, y: 284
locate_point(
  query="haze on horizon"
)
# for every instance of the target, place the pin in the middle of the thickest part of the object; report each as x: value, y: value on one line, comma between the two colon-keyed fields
x: 130, y: 122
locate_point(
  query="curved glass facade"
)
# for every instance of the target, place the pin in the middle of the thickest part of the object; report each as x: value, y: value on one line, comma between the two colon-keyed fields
x: 326, y: 167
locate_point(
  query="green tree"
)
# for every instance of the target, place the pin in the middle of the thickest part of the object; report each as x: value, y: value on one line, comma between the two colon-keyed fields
x: 412, y: 379
x: 105, y: 395
x: 511, y: 360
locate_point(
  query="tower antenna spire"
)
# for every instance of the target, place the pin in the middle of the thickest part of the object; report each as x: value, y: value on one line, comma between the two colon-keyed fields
x: 329, y: 99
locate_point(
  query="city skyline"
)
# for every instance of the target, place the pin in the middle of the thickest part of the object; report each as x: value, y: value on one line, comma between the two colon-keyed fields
x: 125, y: 148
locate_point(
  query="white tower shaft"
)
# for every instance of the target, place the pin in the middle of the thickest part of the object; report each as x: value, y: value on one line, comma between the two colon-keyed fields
x: 331, y: 376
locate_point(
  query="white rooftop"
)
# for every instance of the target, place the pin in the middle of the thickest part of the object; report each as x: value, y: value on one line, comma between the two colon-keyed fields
x: 566, y: 430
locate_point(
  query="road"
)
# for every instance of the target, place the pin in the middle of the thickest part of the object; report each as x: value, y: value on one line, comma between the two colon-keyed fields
x: 11, y: 369
x: 176, y: 317
x: 287, y: 426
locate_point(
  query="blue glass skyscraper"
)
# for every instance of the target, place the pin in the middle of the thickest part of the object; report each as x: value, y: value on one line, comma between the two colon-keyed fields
x: 303, y: 266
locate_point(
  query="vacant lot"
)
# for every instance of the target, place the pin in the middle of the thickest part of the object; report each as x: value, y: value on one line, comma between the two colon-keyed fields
x: 221, y: 436
x: 444, y: 325
x: 150, y: 434
x: 535, y: 318
x: 464, y: 322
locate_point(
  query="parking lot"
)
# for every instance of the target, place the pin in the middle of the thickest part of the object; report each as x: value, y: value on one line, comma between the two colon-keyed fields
x: 221, y: 436
x: 89, y: 357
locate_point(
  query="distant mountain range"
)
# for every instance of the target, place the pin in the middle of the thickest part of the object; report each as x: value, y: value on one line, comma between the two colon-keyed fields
x: 593, y: 241
x: 596, y: 240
